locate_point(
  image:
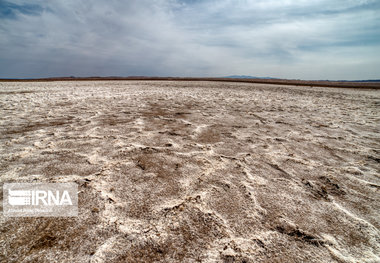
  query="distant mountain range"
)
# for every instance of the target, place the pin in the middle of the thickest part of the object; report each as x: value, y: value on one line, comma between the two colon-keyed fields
x: 237, y: 77
x: 368, y: 80
x: 252, y: 77
x: 246, y: 77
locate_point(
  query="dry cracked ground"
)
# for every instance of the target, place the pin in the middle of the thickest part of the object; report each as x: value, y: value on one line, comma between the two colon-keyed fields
x: 194, y: 171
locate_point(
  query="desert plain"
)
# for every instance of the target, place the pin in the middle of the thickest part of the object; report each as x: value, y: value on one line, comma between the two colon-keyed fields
x: 194, y: 171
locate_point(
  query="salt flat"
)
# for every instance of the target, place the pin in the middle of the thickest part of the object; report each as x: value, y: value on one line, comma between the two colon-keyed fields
x: 194, y: 171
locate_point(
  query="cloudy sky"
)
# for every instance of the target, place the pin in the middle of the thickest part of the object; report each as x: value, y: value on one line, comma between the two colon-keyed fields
x: 305, y: 39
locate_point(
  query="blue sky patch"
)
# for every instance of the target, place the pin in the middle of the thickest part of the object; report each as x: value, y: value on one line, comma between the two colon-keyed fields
x: 10, y: 11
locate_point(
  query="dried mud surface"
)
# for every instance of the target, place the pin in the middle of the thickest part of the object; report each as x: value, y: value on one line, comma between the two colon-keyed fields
x: 194, y: 171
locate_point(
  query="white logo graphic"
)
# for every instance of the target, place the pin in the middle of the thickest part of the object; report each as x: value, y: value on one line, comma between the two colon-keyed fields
x: 19, y: 197
x: 38, y: 199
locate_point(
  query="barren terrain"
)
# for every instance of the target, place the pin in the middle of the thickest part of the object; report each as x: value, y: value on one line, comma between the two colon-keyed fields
x: 194, y: 171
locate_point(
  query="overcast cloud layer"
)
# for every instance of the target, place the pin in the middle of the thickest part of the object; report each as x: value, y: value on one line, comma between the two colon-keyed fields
x: 324, y: 39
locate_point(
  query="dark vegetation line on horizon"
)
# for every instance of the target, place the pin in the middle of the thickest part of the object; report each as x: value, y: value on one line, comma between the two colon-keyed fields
x: 368, y: 84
